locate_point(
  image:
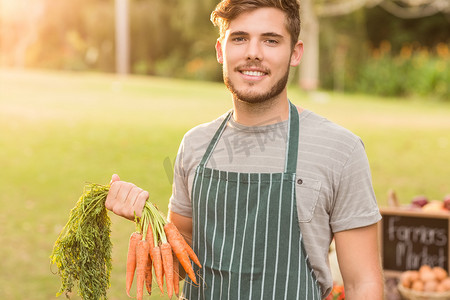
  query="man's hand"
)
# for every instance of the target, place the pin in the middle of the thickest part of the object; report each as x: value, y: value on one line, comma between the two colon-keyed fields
x: 125, y: 199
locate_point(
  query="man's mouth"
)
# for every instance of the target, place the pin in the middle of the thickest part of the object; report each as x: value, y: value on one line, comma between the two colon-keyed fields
x: 253, y: 73
x: 253, y: 70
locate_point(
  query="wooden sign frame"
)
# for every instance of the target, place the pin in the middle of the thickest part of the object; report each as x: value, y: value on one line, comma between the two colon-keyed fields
x: 410, y: 238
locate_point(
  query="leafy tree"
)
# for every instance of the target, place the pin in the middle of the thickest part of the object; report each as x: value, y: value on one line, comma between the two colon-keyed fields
x: 313, y: 10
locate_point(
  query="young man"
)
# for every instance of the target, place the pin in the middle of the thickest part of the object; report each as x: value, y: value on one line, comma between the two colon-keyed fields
x: 261, y: 191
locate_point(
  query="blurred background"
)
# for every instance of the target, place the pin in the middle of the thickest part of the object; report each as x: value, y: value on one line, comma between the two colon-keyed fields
x: 363, y: 45
x: 89, y: 88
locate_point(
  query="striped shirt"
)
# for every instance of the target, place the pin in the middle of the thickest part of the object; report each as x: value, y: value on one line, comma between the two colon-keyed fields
x: 336, y: 192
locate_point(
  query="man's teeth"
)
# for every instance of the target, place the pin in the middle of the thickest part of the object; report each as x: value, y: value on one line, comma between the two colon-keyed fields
x: 253, y: 73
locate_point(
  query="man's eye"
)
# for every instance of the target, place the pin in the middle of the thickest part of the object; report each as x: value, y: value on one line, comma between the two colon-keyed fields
x: 238, y: 39
x: 272, y: 42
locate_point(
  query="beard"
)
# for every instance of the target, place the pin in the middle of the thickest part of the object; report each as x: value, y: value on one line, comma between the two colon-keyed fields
x: 255, y: 97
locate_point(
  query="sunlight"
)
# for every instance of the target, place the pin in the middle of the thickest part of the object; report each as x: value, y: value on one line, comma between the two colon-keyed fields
x: 19, y: 19
x: 20, y: 10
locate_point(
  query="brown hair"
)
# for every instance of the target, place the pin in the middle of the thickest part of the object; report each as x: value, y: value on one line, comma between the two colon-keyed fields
x: 228, y: 10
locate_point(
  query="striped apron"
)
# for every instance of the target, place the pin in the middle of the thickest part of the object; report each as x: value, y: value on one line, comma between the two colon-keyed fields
x: 246, y: 232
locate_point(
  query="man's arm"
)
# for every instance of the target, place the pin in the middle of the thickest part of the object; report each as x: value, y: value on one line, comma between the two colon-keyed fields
x: 184, y: 225
x: 359, y: 260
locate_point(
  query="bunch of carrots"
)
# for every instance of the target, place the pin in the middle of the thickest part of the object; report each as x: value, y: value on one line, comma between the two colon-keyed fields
x: 152, y: 247
x: 82, y: 252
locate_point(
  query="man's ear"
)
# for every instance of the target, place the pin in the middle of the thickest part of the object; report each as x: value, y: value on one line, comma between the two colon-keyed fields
x: 297, y: 54
x: 219, y: 53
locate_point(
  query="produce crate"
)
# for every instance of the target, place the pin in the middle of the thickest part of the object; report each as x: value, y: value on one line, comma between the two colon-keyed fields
x: 414, y: 295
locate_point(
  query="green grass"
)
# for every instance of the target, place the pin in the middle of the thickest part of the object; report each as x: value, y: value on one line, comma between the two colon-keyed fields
x: 60, y: 130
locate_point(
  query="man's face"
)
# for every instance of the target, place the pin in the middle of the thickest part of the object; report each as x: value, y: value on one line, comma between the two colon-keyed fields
x: 256, y: 54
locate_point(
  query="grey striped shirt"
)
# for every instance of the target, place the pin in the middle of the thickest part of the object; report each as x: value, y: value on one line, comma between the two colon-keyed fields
x: 336, y: 192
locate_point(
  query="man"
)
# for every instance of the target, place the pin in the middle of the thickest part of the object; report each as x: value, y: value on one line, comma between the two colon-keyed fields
x: 262, y: 191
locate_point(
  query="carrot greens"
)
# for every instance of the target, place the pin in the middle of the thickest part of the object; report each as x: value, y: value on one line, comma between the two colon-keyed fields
x: 82, y: 251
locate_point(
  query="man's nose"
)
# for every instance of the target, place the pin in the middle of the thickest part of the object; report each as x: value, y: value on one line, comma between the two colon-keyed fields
x: 254, y: 50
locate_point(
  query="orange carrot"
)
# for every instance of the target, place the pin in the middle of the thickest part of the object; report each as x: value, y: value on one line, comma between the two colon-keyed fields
x: 176, y: 278
x: 172, y: 233
x: 155, y: 254
x: 178, y: 246
x: 148, y: 275
x: 131, y: 260
x: 167, y: 259
x: 149, y: 236
x: 142, y: 249
x: 148, y: 269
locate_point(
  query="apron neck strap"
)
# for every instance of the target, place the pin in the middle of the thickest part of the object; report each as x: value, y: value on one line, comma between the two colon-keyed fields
x: 214, y: 140
x: 292, y: 140
x: 291, y: 146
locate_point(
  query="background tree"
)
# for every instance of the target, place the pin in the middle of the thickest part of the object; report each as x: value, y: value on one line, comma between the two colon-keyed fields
x: 314, y: 10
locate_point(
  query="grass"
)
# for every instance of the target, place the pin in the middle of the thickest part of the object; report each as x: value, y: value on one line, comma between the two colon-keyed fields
x: 60, y: 130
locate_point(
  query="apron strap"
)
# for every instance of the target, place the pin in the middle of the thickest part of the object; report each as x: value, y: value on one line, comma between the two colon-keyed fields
x: 291, y: 146
x: 292, y: 140
x: 214, y: 140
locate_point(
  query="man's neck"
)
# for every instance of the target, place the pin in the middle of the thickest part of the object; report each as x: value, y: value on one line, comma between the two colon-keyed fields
x: 265, y: 113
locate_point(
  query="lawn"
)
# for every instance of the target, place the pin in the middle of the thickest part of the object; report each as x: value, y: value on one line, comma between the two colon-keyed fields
x: 60, y: 130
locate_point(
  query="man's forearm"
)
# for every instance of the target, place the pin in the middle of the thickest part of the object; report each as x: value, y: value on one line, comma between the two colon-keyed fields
x: 366, y: 291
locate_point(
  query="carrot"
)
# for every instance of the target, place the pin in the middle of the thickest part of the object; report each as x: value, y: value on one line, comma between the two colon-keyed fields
x: 149, y: 236
x: 178, y: 246
x: 142, y: 249
x: 131, y: 259
x: 155, y: 254
x: 176, y: 278
x: 167, y: 259
x: 172, y: 233
x: 148, y: 275
x: 148, y: 269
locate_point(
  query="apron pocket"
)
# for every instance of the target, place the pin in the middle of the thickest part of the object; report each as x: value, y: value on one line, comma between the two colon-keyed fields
x: 307, y: 192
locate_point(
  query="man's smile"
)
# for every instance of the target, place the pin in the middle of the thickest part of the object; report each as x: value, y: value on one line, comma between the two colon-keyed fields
x: 253, y: 73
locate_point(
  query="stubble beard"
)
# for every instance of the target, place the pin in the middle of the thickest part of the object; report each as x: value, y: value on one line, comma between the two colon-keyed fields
x: 254, y: 97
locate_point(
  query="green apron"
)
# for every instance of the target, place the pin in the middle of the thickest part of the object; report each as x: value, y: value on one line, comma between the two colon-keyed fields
x: 246, y: 231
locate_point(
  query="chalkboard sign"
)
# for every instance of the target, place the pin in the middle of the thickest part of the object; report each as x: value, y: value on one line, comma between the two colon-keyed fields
x: 410, y: 239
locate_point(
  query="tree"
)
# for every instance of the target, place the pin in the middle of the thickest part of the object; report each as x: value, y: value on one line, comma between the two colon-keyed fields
x: 312, y: 10
x: 122, y: 35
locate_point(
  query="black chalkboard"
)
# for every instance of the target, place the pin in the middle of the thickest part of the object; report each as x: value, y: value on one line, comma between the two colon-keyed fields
x: 412, y: 239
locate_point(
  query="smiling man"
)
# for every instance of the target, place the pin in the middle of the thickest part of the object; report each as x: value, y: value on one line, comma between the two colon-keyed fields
x: 256, y: 51
x: 261, y: 191
x: 256, y: 56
